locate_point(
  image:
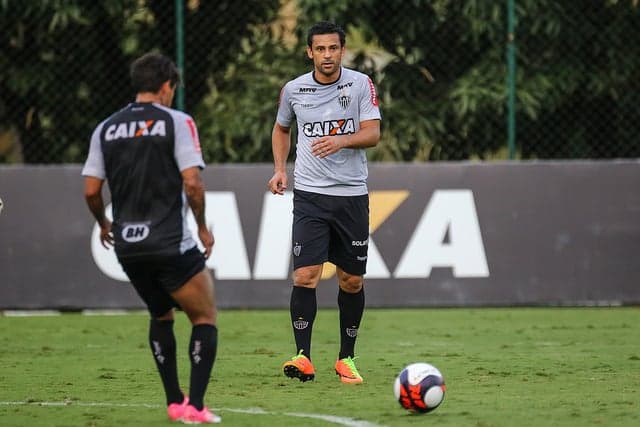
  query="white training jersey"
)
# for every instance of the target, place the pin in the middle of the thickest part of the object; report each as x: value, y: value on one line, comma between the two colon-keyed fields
x: 329, y: 109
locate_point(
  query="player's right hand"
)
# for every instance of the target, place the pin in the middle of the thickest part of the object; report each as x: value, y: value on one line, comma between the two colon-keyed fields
x: 278, y: 183
x: 106, y: 237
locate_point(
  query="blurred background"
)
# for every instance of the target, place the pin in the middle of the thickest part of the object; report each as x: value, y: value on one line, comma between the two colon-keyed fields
x: 457, y: 79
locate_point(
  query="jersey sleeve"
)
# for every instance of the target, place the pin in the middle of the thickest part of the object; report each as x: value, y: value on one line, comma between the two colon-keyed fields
x: 285, y: 111
x: 187, y: 149
x: 369, y: 108
x: 94, y: 165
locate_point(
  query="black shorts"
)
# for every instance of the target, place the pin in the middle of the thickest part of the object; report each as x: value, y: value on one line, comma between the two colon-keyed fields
x: 330, y: 228
x: 154, y: 279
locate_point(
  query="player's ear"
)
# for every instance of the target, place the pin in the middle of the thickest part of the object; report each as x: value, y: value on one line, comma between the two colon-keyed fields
x: 167, y: 93
x: 167, y: 86
x: 309, y: 53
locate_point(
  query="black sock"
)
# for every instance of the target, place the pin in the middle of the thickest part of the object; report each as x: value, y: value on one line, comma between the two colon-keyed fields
x: 163, y: 346
x: 202, y: 352
x: 303, y: 308
x: 351, y: 307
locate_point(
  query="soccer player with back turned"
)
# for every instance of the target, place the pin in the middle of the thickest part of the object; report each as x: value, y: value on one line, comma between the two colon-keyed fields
x: 337, y: 115
x: 150, y: 156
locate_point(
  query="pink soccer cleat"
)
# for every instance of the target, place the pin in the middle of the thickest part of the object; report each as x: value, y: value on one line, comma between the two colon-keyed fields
x: 175, y: 411
x: 205, y: 416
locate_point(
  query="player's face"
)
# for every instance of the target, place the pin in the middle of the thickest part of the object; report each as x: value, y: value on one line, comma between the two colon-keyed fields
x: 326, y: 53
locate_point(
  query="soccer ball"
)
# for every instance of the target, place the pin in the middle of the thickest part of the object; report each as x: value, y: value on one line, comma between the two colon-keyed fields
x: 419, y: 387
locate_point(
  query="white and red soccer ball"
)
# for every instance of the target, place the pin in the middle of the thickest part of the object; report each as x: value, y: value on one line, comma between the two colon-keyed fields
x: 419, y: 387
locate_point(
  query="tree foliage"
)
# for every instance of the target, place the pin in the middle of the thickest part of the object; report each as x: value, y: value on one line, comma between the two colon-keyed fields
x: 439, y: 66
x: 59, y: 62
x: 64, y: 64
x: 444, y: 91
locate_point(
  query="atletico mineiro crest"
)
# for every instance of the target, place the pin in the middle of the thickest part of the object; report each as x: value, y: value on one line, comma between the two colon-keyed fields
x: 344, y: 101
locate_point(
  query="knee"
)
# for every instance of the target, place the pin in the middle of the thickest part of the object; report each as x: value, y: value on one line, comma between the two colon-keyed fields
x: 203, y: 315
x: 169, y: 315
x: 351, y: 284
x: 210, y: 315
x: 307, y: 277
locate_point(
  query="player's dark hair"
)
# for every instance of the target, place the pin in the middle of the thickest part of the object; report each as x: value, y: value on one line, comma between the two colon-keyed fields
x: 151, y: 70
x: 326, y: 27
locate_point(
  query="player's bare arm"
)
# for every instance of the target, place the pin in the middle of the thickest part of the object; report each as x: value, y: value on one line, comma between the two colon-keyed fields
x: 280, y: 145
x: 367, y: 136
x: 93, y: 196
x: 194, y: 190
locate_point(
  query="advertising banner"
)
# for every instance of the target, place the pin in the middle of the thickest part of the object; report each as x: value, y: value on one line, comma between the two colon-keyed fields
x: 443, y: 234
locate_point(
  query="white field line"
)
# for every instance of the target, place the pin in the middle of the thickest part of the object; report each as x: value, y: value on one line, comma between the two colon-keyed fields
x: 29, y: 313
x: 89, y: 312
x: 345, y: 421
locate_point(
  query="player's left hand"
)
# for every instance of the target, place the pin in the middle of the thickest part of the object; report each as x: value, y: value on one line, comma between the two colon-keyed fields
x: 326, y: 146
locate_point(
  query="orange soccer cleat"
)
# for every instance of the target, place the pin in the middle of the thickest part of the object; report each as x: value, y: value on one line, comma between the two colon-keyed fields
x: 299, y: 367
x: 347, y: 371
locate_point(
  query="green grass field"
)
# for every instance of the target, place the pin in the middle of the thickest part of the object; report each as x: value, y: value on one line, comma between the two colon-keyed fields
x: 503, y: 367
